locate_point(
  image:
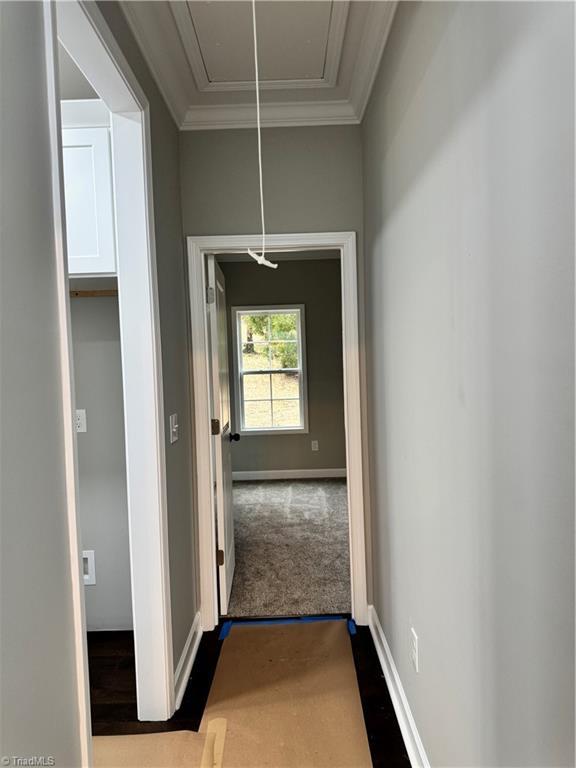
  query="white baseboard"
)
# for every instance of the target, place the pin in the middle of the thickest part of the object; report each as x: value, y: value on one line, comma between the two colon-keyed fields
x: 412, y: 740
x: 184, y: 667
x: 288, y: 474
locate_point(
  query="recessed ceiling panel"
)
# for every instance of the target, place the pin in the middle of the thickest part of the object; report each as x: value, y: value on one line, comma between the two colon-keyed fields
x: 292, y: 39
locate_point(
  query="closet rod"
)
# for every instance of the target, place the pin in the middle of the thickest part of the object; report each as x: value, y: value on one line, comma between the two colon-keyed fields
x: 94, y: 293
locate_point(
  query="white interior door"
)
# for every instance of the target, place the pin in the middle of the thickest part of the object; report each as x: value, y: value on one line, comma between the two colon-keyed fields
x: 223, y: 434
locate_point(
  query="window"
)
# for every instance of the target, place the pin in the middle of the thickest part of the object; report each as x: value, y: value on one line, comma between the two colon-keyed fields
x: 270, y: 368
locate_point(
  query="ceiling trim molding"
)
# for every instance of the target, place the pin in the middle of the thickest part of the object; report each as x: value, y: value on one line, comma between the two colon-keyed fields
x: 159, y: 37
x: 374, y: 38
x: 185, y: 25
x: 216, y: 117
x: 161, y: 61
x: 335, y: 43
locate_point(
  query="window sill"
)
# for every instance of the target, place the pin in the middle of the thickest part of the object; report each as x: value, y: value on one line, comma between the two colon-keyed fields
x: 272, y: 432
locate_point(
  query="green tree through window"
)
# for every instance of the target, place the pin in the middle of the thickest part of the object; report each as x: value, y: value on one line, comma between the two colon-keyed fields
x: 270, y: 366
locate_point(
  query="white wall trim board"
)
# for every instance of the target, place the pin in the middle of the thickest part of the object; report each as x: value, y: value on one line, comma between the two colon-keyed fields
x: 376, y: 31
x: 144, y: 416
x: 184, y: 666
x: 198, y: 247
x: 84, y: 113
x: 412, y: 740
x: 273, y: 115
x: 89, y: 42
x: 85, y: 35
x: 287, y: 474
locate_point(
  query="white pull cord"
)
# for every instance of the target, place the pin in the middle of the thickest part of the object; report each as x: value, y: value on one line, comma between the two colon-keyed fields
x: 261, y: 259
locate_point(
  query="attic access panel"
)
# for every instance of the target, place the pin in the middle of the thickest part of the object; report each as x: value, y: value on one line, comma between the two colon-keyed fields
x: 293, y: 39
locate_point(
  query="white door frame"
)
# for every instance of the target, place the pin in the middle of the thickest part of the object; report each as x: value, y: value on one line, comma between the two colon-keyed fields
x: 345, y: 242
x: 83, y: 31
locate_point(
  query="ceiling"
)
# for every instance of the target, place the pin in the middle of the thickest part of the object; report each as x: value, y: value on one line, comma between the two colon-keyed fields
x: 317, y: 58
x: 73, y: 84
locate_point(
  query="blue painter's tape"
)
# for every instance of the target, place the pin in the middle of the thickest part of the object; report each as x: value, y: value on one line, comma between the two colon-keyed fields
x: 227, y: 626
x: 351, y: 626
x: 225, y: 631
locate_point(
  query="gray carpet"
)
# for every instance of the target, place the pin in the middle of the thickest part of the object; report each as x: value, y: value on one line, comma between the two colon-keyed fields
x: 291, y: 548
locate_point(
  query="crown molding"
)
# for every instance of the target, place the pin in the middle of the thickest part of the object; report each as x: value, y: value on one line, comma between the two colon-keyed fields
x: 187, y: 31
x: 374, y: 38
x: 149, y: 29
x: 159, y: 37
x: 217, y: 117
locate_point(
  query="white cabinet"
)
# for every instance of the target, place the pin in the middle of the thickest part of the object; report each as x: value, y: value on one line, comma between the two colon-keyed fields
x: 88, y: 193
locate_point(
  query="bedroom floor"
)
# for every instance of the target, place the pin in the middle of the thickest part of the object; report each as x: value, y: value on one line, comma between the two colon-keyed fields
x: 292, y: 554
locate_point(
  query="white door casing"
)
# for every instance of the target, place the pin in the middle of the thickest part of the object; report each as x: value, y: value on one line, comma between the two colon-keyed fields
x: 220, y: 391
x: 84, y: 33
x: 198, y: 248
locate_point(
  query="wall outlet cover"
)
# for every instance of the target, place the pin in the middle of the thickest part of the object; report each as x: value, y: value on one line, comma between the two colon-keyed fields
x: 80, y: 420
x: 174, y: 428
x: 88, y: 567
x: 414, y: 649
x: 315, y: 445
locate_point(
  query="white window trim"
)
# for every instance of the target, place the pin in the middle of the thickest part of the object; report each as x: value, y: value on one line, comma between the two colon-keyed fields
x: 303, y: 430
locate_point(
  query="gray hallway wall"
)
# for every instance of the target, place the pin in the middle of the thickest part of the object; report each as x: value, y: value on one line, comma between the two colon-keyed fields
x: 39, y: 703
x: 312, y: 182
x: 102, y: 497
x: 469, y: 225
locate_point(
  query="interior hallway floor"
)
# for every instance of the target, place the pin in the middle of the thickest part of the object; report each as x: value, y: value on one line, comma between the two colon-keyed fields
x: 295, y: 694
x: 292, y: 555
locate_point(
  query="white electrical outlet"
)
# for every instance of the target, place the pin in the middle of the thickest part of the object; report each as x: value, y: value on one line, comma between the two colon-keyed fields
x: 414, y: 649
x: 315, y: 446
x: 80, y: 420
x: 174, y: 427
x: 88, y: 566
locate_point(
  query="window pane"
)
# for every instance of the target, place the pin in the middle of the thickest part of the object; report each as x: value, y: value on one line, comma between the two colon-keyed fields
x: 254, y: 327
x: 286, y: 413
x: 285, y: 385
x: 257, y: 386
x: 258, y: 414
x: 284, y: 354
x: 284, y: 326
x: 255, y: 356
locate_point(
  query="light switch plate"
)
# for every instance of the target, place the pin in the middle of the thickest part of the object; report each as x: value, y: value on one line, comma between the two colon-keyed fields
x: 174, y: 427
x: 80, y: 420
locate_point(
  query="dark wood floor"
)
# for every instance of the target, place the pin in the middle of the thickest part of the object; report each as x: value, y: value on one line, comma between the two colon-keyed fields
x: 113, y: 692
x: 113, y: 686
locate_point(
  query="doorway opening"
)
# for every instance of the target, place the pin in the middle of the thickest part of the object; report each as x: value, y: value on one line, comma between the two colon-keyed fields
x: 276, y: 375
x: 283, y: 379
x: 104, y: 152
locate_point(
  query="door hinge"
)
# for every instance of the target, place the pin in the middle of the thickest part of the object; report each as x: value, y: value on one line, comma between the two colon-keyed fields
x: 220, y: 557
x: 215, y: 424
x: 210, y: 295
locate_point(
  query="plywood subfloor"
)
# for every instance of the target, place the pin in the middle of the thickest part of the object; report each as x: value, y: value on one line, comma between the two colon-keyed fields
x: 290, y: 697
x: 180, y: 749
